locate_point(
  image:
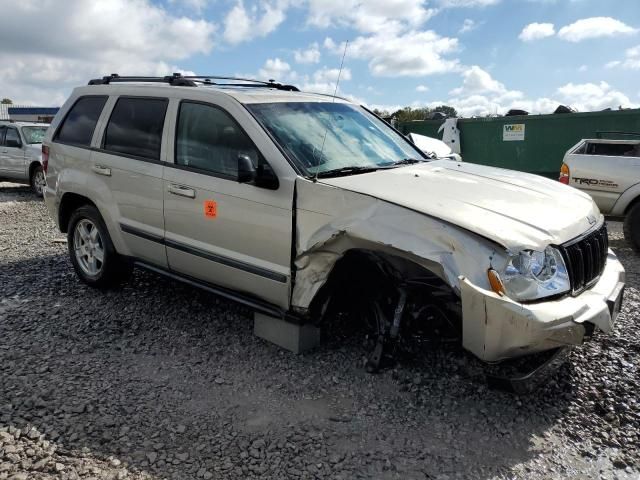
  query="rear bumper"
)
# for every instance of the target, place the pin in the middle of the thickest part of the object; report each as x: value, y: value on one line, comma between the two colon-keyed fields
x: 496, y: 328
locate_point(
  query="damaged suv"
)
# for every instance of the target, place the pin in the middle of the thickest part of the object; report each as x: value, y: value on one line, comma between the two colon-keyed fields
x: 306, y: 207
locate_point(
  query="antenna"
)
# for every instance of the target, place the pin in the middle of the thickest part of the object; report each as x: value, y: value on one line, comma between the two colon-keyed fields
x: 335, y: 92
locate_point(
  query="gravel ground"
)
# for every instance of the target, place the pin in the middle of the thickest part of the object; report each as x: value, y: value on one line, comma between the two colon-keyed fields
x: 160, y: 380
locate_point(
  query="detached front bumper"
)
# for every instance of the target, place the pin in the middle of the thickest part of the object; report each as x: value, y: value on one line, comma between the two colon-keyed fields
x: 495, y: 327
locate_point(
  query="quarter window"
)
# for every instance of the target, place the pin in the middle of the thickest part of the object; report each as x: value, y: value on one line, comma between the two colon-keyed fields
x: 135, y: 127
x: 79, y: 124
x: 209, y: 139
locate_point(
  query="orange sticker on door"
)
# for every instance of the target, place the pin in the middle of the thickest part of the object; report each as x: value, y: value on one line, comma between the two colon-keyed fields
x: 210, y: 209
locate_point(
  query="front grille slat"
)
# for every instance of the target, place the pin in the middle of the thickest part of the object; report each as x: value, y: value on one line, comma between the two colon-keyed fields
x: 585, y: 258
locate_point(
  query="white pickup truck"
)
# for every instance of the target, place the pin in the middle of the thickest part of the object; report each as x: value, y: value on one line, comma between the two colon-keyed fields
x: 609, y: 171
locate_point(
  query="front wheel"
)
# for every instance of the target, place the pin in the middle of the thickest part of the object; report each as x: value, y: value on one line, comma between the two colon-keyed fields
x: 38, y: 181
x: 92, y: 253
x: 631, y: 227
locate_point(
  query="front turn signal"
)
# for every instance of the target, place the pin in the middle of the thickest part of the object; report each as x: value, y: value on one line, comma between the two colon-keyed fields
x: 495, y: 282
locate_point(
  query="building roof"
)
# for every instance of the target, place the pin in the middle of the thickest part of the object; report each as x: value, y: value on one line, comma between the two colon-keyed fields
x: 8, y: 109
x: 16, y: 110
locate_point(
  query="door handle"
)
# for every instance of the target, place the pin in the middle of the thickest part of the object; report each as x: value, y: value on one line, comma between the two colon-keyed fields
x: 5, y: 151
x: 100, y: 170
x: 182, y: 190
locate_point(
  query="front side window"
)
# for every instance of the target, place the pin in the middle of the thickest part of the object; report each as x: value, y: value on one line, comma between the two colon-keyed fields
x: 208, y: 139
x: 135, y: 127
x: 79, y: 124
x: 12, y: 138
x: 326, y: 137
x: 34, y: 135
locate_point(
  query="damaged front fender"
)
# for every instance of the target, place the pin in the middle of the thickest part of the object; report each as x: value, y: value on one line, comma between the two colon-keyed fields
x: 331, y: 221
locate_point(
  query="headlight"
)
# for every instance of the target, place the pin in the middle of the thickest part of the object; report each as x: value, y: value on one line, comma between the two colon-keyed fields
x: 530, y: 275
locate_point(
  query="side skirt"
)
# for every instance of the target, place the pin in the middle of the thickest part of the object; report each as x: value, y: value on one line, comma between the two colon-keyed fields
x: 255, y: 303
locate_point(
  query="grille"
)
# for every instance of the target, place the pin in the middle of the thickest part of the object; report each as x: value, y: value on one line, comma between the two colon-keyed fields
x: 585, y: 258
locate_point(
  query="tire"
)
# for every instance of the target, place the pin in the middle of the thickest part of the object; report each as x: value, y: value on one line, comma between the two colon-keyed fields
x: 91, y: 250
x: 631, y: 227
x: 37, y: 181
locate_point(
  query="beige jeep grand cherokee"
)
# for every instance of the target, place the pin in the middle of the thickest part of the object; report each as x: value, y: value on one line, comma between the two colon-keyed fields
x: 305, y: 206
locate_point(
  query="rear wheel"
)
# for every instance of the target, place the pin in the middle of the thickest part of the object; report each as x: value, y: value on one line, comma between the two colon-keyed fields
x: 38, y: 181
x: 631, y: 227
x: 93, y: 256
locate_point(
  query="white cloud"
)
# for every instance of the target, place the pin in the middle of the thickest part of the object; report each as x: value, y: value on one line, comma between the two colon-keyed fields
x: 594, y: 27
x: 467, y: 26
x: 592, y: 96
x: 276, y: 69
x: 630, y: 62
x: 422, y: 88
x: 310, y: 55
x: 536, y: 31
x: 477, y: 80
x: 91, y: 40
x: 369, y: 16
x: 242, y: 25
x: 583, y: 68
x: 466, y: 3
x: 330, y: 75
x: 414, y: 53
x: 481, y: 95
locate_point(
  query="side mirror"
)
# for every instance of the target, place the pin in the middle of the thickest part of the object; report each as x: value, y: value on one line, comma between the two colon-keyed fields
x: 246, y: 170
x: 13, y: 143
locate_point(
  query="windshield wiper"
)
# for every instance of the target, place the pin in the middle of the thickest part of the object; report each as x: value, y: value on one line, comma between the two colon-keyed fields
x: 343, y: 171
x: 410, y: 161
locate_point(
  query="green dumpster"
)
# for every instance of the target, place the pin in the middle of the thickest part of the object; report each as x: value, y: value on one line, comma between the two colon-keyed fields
x: 530, y: 143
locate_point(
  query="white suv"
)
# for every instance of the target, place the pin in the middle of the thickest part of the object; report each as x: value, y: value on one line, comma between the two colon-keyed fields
x: 306, y: 206
x: 21, y: 153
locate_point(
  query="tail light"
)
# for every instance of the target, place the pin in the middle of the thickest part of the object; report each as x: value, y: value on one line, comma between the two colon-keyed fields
x: 564, y: 174
x: 45, y: 158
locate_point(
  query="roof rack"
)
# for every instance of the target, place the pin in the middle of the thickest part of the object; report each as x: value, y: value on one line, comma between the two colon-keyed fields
x: 178, y: 80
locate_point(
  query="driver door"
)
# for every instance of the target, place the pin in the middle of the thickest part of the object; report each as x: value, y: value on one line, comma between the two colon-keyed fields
x: 231, y: 234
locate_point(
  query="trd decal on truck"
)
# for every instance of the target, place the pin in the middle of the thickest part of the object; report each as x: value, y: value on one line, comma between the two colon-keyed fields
x: 595, y: 182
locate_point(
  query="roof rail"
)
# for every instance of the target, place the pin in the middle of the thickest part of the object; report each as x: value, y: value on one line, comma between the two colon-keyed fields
x: 177, y: 80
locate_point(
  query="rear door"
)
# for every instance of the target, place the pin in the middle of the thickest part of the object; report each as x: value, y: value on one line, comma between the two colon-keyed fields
x: 14, y: 154
x: 129, y: 162
x: 231, y: 234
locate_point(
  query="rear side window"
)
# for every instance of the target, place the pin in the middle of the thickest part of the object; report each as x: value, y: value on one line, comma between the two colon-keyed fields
x: 135, y: 127
x: 79, y: 124
x: 2, y: 132
x: 613, y: 149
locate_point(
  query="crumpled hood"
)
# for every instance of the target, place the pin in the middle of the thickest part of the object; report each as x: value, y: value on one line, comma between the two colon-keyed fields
x: 517, y: 210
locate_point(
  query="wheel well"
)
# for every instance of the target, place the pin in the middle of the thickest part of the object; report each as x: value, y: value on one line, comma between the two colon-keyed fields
x: 362, y: 271
x: 632, y: 203
x: 32, y: 167
x: 69, y: 203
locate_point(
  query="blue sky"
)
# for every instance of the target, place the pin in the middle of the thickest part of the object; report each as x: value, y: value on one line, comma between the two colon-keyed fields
x: 482, y: 56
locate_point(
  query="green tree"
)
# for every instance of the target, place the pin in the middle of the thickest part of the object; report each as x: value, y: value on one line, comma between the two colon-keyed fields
x: 6, y: 101
x: 447, y: 110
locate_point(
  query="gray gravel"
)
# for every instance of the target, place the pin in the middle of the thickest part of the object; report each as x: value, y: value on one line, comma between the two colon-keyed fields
x: 159, y: 380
